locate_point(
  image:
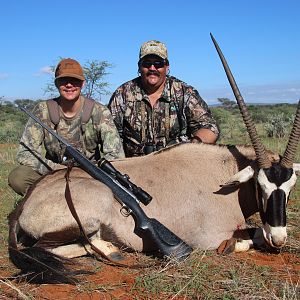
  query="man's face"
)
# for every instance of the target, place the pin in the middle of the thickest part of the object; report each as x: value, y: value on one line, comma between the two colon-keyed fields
x: 153, y: 71
x: 69, y: 88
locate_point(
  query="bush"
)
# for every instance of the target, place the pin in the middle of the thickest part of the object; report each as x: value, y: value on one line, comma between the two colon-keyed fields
x: 13, y: 120
x: 278, y: 125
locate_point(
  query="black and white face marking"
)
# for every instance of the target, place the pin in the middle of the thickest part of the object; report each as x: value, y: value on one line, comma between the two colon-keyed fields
x: 276, y: 184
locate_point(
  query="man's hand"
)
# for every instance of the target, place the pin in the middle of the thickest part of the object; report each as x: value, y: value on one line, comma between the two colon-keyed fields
x: 205, y: 136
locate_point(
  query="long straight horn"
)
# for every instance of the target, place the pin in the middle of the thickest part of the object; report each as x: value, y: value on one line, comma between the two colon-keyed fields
x: 263, y: 160
x: 291, y: 148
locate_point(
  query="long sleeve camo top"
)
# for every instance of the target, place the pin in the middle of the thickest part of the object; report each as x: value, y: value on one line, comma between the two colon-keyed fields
x: 177, y: 115
x: 41, y: 151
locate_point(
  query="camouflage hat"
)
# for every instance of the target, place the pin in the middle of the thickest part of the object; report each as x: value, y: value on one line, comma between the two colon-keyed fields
x: 154, y: 48
x: 69, y: 68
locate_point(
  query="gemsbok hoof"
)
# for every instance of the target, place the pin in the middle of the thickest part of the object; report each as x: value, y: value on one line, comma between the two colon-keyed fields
x: 227, y: 246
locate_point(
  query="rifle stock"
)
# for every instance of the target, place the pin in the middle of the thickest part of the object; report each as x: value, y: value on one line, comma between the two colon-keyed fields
x: 150, y: 230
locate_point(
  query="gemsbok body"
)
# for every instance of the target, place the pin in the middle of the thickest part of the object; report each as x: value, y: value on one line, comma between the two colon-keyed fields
x: 203, y: 193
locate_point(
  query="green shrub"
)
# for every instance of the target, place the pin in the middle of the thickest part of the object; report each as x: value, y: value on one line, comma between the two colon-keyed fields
x: 13, y: 120
x: 278, y: 125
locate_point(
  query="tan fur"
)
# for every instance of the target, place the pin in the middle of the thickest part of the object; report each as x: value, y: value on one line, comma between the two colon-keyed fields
x: 185, y: 184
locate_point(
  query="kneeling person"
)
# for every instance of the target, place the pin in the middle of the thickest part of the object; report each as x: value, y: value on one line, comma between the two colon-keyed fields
x: 84, y: 123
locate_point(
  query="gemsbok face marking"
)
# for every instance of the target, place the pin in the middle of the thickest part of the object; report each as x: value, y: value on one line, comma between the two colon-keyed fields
x: 275, y: 183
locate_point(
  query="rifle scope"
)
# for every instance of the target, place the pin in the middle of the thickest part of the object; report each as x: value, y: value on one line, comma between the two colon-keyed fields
x: 123, y: 179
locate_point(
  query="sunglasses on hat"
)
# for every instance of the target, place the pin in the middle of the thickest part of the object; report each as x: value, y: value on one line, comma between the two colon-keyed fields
x: 157, y: 64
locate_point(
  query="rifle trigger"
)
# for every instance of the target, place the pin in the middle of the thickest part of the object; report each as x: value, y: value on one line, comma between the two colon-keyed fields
x: 125, y: 211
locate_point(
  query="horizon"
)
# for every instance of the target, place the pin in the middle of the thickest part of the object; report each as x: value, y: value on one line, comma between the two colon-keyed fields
x: 211, y: 104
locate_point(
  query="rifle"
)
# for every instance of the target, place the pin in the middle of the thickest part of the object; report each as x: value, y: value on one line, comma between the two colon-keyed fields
x: 165, y: 242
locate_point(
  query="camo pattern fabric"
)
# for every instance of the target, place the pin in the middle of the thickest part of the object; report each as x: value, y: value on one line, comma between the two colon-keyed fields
x: 177, y: 115
x: 100, y: 138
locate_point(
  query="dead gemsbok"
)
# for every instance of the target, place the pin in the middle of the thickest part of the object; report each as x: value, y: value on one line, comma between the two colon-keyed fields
x: 203, y: 193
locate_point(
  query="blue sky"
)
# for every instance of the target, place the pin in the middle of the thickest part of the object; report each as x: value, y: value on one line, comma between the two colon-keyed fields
x: 260, y: 40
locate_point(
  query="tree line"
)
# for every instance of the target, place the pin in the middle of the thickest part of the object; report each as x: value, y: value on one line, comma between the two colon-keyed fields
x: 273, y: 121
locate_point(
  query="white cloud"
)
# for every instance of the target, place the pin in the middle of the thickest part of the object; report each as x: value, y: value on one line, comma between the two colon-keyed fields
x: 294, y: 90
x: 269, y: 93
x: 3, y: 76
x: 44, y: 70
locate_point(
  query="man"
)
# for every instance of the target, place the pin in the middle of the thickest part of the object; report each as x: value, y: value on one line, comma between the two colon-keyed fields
x: 155, y: 110
x: 95, y: 137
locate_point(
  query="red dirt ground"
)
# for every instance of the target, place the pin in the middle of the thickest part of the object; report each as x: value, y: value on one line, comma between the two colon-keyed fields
x: 112, y: 282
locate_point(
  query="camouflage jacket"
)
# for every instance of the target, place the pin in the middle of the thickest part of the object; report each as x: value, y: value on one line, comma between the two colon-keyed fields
x: 99, y: 139
x: 178, y: 114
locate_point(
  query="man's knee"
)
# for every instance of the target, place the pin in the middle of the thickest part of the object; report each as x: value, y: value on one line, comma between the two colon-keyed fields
x: 21, y: 178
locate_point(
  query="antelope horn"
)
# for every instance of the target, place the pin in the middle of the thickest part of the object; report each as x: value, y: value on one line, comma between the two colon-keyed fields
x: 262, y: 158
x: 291, y: 148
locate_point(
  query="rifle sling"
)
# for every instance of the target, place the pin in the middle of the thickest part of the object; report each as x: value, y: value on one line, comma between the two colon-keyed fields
x: 82, y: 231
x: 74, y: 212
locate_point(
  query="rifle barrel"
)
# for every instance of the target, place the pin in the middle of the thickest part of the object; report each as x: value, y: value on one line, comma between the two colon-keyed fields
x: 44, y: 126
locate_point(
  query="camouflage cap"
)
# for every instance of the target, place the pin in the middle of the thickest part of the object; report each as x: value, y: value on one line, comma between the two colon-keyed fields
x: 154, y: 48
x: 69, y: 68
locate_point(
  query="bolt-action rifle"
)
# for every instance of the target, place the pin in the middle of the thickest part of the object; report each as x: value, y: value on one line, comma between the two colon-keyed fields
x: 165, y: 242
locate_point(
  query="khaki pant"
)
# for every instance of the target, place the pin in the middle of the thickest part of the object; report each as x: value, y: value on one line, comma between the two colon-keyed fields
x: 21, y: 178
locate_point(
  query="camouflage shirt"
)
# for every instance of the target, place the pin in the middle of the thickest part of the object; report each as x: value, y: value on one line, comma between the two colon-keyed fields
x: 179, y: 113
x: 99, y: 139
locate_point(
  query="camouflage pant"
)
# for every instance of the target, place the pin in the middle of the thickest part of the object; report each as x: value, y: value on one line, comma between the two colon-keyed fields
x: 21, y: 178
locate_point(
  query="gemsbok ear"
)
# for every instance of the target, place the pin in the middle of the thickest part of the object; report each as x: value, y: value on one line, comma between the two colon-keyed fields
x: 240, y: 177
x: 296, y: 168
